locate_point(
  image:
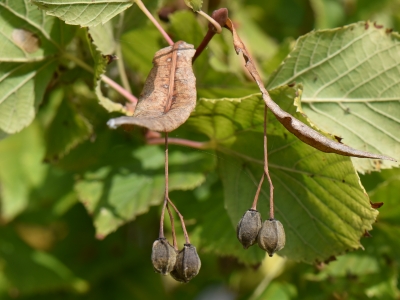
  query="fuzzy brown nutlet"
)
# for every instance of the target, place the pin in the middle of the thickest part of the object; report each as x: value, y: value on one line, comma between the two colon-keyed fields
x: 187, y: 264
x: 163, y: 256
x: 271, y: 237
x: 248, y: 228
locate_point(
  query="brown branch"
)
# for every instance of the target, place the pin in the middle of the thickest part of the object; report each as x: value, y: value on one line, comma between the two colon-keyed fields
x: 154, y: 21
x: 166, y: 165
x: 207, y: 38
x: 181, y: 142
x: 220, y: 16
x: 254, y: 206
x: 161, y: 234
x: 266, y: 170
x: 171, y: 218
x: 182, y: 222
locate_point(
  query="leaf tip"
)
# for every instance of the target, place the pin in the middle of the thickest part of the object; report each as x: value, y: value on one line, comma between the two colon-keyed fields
x: 112, y: 124
x: 376, y: 204
x: 367, y: 234
x: 377, y: 26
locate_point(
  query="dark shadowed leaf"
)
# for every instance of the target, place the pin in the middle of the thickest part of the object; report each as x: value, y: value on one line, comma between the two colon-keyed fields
x: 67, y: 128
x: 46, y: 272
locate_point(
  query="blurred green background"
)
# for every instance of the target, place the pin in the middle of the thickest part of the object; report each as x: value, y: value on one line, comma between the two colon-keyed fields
x: 48, y: 245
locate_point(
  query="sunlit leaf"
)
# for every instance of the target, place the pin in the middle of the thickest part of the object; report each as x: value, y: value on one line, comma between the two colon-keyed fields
x: 304, y: 132
x: 27, y: 60
x: 318, y: 196
x: 351, y: 86
x: 131, y: 181
x: 100, y: 64
x: 84, y: 12
x: 21, y: 169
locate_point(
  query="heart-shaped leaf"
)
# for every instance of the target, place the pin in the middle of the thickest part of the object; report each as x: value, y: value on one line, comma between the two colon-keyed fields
x: 351, y: 86
x: 318, y: 196
x: 298, y: 128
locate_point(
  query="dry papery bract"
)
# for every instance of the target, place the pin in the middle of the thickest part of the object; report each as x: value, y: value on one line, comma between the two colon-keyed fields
x: 169, y: 93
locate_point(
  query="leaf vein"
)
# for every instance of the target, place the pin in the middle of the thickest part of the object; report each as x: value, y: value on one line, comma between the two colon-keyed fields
x: 344, y: 126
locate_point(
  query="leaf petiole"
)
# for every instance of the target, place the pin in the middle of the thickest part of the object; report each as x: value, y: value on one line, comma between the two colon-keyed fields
x: 120, y: 60
x: 181, y: 142
x: 154, y: 21
x: 131, y: 98
x: 266, y: 169
x: 217, y: 26
x: 218, y: 16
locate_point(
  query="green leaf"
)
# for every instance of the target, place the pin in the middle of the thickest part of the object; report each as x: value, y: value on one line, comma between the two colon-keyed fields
x: 184, y: 26
x: 103, y: 43
x: 359, y: 265
x: 103, y: 37
x: 260, y: 45
x: 385, y: 240
x: 220, y: 237
x: 27, y: 60
x: 386, y: 192
x: 84, y: 12
x: 67, y: 129
x: 279, y: 291
x: 328, y: 13
x: 139, y: 39
x: 350, y: 77
x: 194, y: 4
x: 46, y: 272
x: 209, y: 82
x: 21, y: 169
x: 100, y: 66
x: 138, y: 48
x: 375, y: 277
x: 30, y: 34
x: 133, y: 180
x: 318, y: 196
x: 22, y: 88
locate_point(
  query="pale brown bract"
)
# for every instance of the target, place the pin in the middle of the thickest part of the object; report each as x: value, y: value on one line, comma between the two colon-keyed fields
x: 305, y: 133
x: 169, y: 93
x: 26, y: 40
